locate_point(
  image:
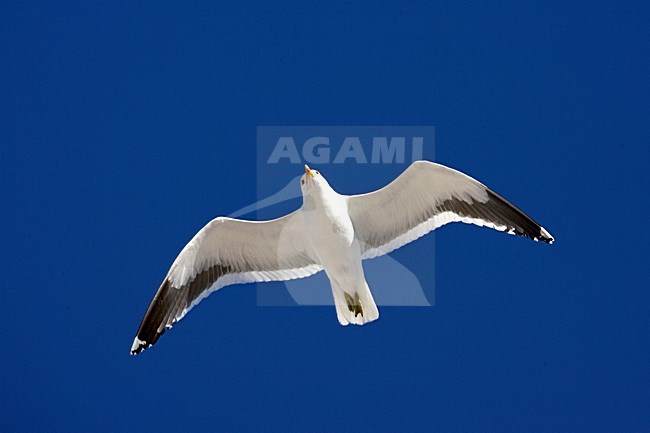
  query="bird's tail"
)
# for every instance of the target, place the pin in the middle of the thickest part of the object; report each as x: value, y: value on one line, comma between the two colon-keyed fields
x: 354, y: 304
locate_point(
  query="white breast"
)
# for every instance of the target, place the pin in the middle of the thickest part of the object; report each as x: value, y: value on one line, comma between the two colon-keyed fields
x: 329, y: 228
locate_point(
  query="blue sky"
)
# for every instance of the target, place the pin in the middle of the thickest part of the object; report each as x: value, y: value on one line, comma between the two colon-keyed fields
x: 127, y: 127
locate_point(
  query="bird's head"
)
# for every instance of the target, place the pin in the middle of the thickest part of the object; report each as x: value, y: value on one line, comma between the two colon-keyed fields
x: 312, y: 181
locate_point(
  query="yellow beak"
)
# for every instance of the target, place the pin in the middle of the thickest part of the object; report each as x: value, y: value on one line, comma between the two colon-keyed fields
x: 308, y: 171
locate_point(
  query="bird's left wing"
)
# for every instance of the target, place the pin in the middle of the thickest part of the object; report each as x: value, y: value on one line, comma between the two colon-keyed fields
x: 227, y: 251
x: 425, y: 197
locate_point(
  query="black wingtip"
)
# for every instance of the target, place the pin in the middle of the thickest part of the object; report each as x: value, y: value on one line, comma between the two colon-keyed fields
x: 143, y: 342
x: 521, y: 223
x: 545, y: 236
x: 139, y: 346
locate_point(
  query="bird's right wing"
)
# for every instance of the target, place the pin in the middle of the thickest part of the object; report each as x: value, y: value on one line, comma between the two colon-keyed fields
x: 426, y: 196
x: 227, y: 251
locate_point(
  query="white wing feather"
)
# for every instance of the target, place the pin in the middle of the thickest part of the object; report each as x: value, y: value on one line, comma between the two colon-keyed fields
x: 427, y: 196
x: 227, y: 251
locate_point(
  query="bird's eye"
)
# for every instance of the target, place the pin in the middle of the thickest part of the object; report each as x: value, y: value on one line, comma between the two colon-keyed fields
x: 302, y: 181
x: 318, y: 172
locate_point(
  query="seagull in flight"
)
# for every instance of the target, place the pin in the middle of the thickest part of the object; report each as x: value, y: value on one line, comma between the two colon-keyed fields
x: 330, y: 232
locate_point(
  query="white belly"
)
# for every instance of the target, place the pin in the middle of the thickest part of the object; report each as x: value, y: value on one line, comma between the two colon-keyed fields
x: 331, y: 235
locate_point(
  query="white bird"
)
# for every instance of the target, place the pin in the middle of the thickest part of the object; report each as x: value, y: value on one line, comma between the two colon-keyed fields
x: 330, y: 232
